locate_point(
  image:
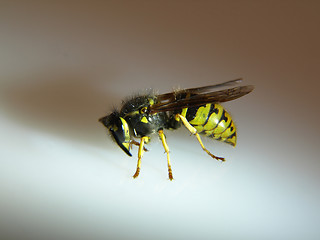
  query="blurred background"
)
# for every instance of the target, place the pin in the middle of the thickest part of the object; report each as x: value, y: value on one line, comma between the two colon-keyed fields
x: 64, y: 64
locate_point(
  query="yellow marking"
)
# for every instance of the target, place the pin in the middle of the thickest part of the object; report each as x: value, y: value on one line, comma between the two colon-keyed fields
x: 140, y: 154
x: 232, y: 141
x: 143, y: 110
x: 219, y: 131
x: 228, y: 131
x: 216, y: 136
x: 223, y: 125
x: 194, y: 131
x: 166, y: 148
x: 214, y: 118
x: 151, y: 101
x: 199, y: 128
x: 176, y: 117
x: 126, y: 145
x: 201, y: 115
x: 125, y: 128
x: 146, y: 139
x: 184, y: 112
x: 132, y: 113
x: 208, y: 133
x: 144, y: 120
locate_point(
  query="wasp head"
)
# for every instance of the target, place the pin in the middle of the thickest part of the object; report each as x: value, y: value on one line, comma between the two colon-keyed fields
x: 119, y: 129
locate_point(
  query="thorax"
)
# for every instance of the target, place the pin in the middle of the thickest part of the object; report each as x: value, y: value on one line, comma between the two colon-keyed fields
x: 139, y: 120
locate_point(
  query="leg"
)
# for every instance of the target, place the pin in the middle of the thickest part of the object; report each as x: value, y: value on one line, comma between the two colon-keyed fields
x: 133, y: 142
x: 140, y: 154
x: 194, y: 131
x: 166, y: 148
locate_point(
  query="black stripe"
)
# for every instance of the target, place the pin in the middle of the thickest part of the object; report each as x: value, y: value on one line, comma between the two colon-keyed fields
x: 212, y: 110
x: 224, y: 118
x: 192, y: 113
x: 232, y: 135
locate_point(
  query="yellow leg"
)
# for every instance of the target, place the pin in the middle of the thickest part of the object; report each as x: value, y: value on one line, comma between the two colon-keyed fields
x: 166, y: 148
x: 140, y: 154
x: 194, y: 131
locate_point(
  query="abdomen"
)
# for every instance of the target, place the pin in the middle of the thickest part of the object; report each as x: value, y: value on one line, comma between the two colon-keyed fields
x: 213, y: 121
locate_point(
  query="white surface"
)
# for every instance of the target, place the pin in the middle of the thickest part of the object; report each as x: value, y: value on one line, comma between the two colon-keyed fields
x: 62, y: 66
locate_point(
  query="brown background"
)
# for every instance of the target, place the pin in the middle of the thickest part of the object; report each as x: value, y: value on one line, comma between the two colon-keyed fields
x: 65, y: 64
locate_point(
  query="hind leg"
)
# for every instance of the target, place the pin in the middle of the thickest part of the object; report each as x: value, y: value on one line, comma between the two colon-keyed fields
x: 194, y: 132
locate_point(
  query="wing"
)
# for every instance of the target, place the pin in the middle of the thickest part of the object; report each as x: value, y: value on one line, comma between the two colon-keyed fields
x: 199, y: 90
x: 199, y: 96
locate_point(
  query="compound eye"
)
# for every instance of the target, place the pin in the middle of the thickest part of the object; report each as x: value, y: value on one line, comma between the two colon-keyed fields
x: 143, y: 110
x: 120, y: 132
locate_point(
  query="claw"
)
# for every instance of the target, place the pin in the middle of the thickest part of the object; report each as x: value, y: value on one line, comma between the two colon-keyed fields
x: 136, y: 173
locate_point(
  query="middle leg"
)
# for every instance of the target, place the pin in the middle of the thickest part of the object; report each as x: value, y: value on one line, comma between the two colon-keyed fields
x: 140, y: 154
x: 166, y: 148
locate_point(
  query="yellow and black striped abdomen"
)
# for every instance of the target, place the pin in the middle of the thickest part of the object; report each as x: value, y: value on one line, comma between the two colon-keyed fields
x: 213, y: 121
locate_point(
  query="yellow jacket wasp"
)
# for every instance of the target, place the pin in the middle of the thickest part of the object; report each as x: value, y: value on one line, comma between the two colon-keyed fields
x: 198, y: 109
